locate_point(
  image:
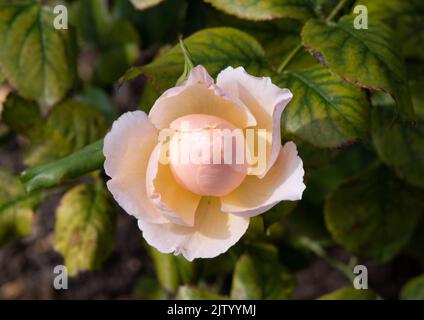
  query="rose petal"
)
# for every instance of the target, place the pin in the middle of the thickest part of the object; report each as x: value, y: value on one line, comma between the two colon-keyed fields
x: 176, y: 203
x: 127, y: 148
x: 264, y: 99
x: 283, y: 182
x: 214, y: 232
x: 199, y: 96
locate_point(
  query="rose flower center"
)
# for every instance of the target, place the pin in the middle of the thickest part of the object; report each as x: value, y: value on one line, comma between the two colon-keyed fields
x: 207, y: 154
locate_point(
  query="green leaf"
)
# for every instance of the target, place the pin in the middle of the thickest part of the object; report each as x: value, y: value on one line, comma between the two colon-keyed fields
x: 350, y: 293
x: 148, y: 288
x: 118, y: 52
x: 69, y: 126
x: 406, y: 17
x: 399, y: 144
x: 256, y: 228
x: 278, y: 37
x: 99, y: 100
x: 171, y: 270
x: 166, y: 269
x: 193, y: 293
x: 215, y: 48
x: 22, y: 116
x: 37, y: 58
x: 112, y: 40
x: 367, y: 58
x: 278, y: 212
x: 148, y: 98
x: 349, y: 162
x: 266, y: 9
x: 307, y: 221
x: 112, y: 63
x: 374, y: 215
x: 145, y: 4
x: 91, y: 19
x: 83, y: 161
x: 324, y: 111
x: 16, y: 208
x: 84, y: 229
x: 414, y: 289
x: 259, y: 275
x: 314, y: 157
x: 162, y: 23
x: 416, y: 86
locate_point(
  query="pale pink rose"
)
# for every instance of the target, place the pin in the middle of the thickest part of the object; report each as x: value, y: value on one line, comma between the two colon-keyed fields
x: 200, y: 211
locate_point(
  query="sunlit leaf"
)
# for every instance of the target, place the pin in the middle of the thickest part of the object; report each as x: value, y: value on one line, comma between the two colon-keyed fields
x: 350, y: 293
x: 16, y: 208
x: 365, y: 57
x: 68, y: 127
x: 37, y: 58
x: 324, y: 111
x: 405, y: 17
x: 278, y: 37
x: 266, y: 9
x: 84, y: 230
x: 215, y: 48
x: 414, y: 289
x: 145, y: 4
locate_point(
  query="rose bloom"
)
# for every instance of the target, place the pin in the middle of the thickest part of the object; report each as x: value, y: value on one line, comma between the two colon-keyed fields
x: 201, y: 210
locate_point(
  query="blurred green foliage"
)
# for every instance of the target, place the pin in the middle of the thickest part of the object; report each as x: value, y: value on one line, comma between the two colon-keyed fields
x: 356, y: 116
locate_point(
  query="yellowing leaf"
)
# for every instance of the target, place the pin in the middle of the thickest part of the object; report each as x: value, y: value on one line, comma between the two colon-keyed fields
x: 70, y: 126
x: 16, y: 208
x: 365, y: 57
x: 325, y: 111
x: 414, y: 289
x: 350, y: 293
x: 405, y: 17
x: 266, y: 9
x: 37, y: 58
x: 215, y: 48
x: 145, y: 4
x: 84, y: 230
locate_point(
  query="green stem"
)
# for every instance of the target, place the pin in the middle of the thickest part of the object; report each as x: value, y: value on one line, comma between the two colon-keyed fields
x: 289, y: 58
x: 314, y: 247
x: 336, y: 10
x: 188, y: 63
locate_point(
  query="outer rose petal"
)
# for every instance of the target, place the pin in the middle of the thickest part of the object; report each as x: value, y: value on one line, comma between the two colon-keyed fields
x: 176, y: 203
x: 214, y: 232
x: 127, y: 148
x: 199, y: 95
x: 283, y: 182
x: 264, y: 99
